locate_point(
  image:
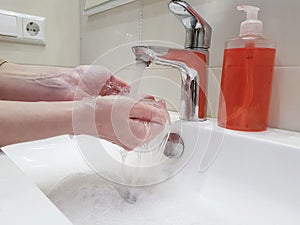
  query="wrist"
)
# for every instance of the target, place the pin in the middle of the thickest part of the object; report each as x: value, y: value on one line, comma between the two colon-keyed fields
x: 83, y: 117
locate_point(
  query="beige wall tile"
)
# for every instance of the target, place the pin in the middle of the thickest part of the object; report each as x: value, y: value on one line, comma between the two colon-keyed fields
x: 105, y: 31
x: 160, y: 24
x: 285, y: 104
x: 161, y: 82
x: 62, y: 33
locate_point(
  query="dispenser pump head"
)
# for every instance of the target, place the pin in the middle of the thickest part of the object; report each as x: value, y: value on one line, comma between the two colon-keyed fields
x: 251, y: 26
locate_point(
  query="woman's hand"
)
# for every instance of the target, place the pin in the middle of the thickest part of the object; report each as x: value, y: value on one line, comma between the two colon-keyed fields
x: 122, y: 120
x: 97, y: 80
x: 83, y: 82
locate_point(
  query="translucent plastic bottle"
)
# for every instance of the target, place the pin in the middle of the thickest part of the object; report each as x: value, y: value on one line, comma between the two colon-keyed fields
x: 247, y: 76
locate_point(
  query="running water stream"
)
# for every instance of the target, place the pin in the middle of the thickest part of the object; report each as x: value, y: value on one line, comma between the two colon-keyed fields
x: 137, y: 173
x: 137, y: 77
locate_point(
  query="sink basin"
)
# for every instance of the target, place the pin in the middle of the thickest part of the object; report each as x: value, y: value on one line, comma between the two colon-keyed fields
x: 224, y: 177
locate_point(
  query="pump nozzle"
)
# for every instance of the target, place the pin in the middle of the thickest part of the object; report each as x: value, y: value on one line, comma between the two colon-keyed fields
x: 251, y: 26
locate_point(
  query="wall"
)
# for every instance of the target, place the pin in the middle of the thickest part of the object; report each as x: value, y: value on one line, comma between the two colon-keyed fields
x: 62, y: 33
x: 104, y: 33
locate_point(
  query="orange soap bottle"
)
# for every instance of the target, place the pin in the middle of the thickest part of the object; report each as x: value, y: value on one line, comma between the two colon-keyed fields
x: 247, y: 76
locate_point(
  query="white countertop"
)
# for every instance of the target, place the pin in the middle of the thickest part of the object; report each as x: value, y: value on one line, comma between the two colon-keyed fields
x: 21, y: 202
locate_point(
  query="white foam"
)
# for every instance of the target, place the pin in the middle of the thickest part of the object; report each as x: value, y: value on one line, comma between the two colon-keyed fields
x: 87, y: 199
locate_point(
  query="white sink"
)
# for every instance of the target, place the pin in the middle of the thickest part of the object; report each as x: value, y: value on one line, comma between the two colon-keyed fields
x: 228, y: 178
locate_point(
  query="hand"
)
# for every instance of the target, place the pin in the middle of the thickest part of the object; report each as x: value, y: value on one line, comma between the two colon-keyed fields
x: 122, y: 120
x: 97, y: 80
x: 81, y: 82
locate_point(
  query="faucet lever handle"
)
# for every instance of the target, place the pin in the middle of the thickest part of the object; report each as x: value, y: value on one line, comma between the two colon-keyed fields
x: 198, y: 31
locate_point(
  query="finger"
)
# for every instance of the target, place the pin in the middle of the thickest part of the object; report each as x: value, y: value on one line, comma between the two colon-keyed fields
x: 147, y: 97
x: 114, y: 86
x: 135, y: 135
x: 149, y: 112
x: 142, y: 132
x: 118, y: 81
x: 162, y: 104
x: 111, y: 89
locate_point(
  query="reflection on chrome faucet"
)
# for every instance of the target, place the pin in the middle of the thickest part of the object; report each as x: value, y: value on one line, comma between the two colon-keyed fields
x: 191, y: 61
x: 198, y: 31
x: 192, y: 65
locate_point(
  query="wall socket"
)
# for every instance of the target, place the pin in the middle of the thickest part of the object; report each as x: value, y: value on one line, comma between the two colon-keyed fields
x: 34, y: 28
x: 29, y: 29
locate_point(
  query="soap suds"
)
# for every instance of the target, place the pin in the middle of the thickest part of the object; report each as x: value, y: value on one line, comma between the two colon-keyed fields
x: 88, y: 199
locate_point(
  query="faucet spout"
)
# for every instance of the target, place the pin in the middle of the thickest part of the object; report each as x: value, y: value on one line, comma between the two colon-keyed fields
x: 192, y: 65
x: 176, y: 58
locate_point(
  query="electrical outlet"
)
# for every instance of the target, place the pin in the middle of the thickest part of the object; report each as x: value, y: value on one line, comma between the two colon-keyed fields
x: 34, y: 28
x: 22, y: 28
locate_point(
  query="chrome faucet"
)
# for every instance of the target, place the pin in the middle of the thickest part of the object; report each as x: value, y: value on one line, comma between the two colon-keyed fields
x: 198, y: 31
x: 191, y: 61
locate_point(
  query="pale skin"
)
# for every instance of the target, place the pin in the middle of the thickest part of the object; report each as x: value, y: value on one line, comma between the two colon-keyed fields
x: 38, y: 102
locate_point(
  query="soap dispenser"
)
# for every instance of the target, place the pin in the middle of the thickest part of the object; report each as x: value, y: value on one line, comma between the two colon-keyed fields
x: 247, y: 75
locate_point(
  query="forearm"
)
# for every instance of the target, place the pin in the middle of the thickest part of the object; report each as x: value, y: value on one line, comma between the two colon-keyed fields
x: 20, y: 122
x: 34, y: 83
x: 29, y: 71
